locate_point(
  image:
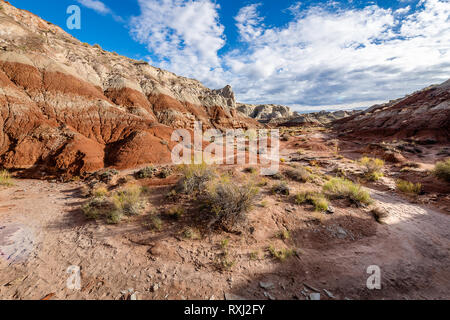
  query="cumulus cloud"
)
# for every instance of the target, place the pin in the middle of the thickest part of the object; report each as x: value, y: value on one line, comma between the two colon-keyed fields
x: 185, y: 36
x: 325, y: 56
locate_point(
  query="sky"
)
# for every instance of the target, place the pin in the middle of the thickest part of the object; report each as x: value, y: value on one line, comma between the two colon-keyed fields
x: 309, y: 55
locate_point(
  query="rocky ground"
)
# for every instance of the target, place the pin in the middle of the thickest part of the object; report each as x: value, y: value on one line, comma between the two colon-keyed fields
x: 43, y: 232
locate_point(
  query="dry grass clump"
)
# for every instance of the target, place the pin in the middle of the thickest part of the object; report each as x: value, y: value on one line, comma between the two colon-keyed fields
x: 281, y: 188
x: 229, y: 202
x: 343, y: 188
x: 113, y: 207
x: 442, y: 170
x: 281, y: 254
x: 299, y: 174
x: 317, y: 199
x: 372, y: 168
x: 6, y: 179
x: 409, y: 187
x: 195, y: 178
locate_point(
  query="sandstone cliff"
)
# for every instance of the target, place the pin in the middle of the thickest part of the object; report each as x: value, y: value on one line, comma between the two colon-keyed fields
x: 423, y: 115
x: 71, y: 107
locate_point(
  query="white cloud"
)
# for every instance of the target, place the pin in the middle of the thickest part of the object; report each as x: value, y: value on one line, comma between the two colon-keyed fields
x: 96, y: 5
x: 100, y: 7
x: 324, y: 56
x: 184, y: 35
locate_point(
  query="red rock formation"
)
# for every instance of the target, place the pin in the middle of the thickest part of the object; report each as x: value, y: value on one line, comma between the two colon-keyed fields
x: 422, y: 116
x: 69, y: 108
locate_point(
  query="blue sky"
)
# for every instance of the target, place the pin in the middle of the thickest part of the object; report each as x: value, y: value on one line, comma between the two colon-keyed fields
x: 310, y: 55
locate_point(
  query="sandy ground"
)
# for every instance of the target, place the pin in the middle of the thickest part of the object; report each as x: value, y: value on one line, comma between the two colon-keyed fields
x: 43, y: 233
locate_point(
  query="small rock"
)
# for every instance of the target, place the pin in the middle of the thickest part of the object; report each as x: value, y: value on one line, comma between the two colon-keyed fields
x: 330, y: 210
x: 155, y: 287
x: 314, y: 296
x: 269, y: 296
x: 230, y: 296
x: 133, y: 297
x: 329, y: 294
x: 266, y: 285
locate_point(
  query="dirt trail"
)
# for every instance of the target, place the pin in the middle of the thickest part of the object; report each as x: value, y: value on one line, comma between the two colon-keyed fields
x: 42, y: 233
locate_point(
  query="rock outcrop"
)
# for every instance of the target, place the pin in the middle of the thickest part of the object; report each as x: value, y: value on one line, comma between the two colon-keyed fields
x: 265, y: 112
x: 422, y: 116
x: 68, y: 107
x: 322, y: 118
x: 276, y: 115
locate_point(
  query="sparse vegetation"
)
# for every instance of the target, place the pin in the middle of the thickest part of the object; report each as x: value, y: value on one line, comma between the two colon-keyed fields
x: 409, y: 187
x: 372, y: 168
x: 100, y: 192
x: 283, y: 235
x: 281, y: 254
x: 112, y: 208
x: 442, y: 170
x: 5, y: 179
x: 175, y: 213
x: 229, y: 202
x: 254, y: 255
x: 299, y: 174
x: 154, y: 223
x: 147, y: 172
x: 281, y: 188
x: 343, y: 188
x: 317, y: 199
x: 251, y: 170
x: 195, y: 177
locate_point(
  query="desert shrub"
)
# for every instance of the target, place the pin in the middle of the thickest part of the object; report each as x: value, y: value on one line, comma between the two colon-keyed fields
x: 175, y: 213
x: 318, y: 200
x: 230, y: 202
x: 100, y: 192
x: 254, y: 255
x: 154, y: 223
x: 147, y: 172
x: 277, y: 176
x: 5, y: 179
x: 442, y: 170
x: 108, y: 175
x: 281, y: 254
x: 372, y: 168
x: 343, y: 188
x: 283, y: 235
x: 195, y: 177
x: 190, y: 233
x: 102, y: 208
x: 165, y: 173
x: 299, y: 174
x: 281, y: 188
x: 409, y: 187
x: 128, y: 200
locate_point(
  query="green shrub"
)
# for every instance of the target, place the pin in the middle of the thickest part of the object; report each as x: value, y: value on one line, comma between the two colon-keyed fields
x: 281, y: 254
x: 318, y: 200
x: 343, y: 188
x: 154, y: 223
x: 298, y: 174
x: 230, y: 202
x: 442, y: 170
x: 100, y: 192
x: 409, y: 187
x: 128, y: 200
x: 373, y: 168
x: 195, y: 178
x: 147, y: 172
x: 5, y: 179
